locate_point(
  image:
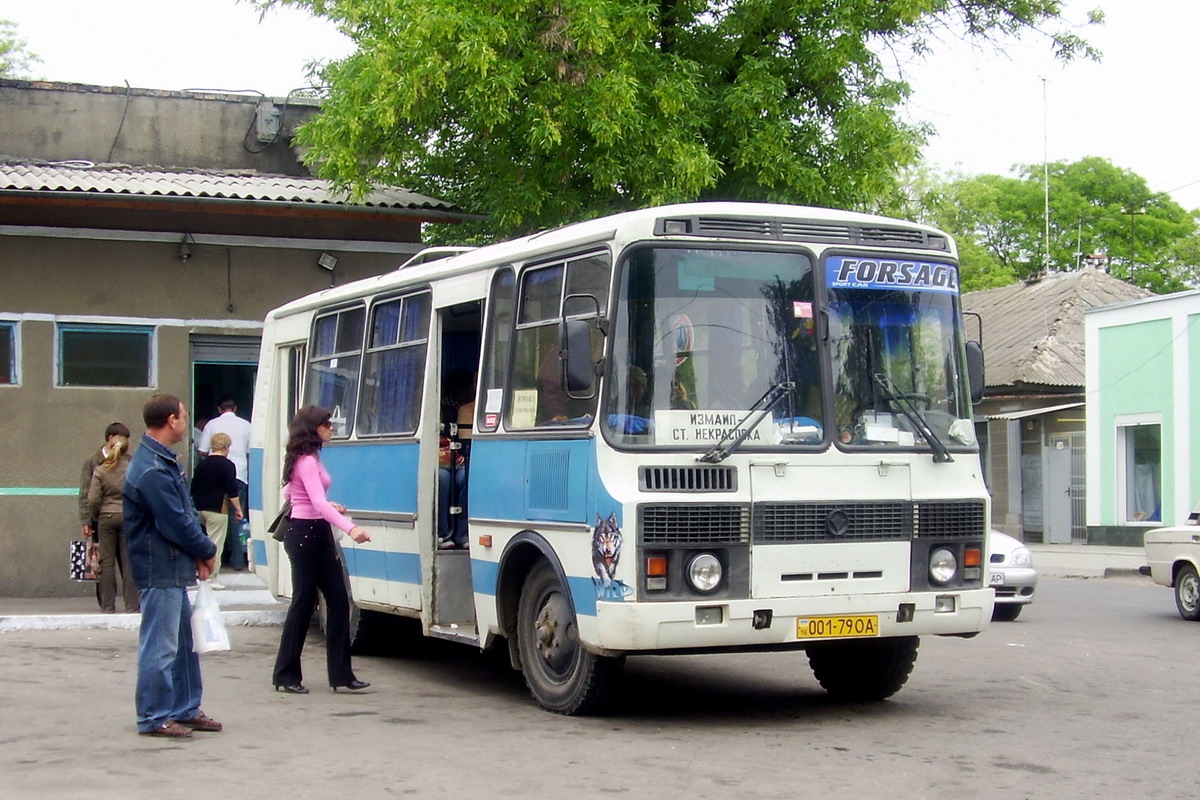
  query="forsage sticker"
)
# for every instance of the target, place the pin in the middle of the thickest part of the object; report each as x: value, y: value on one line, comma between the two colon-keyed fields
x: 846, y: 272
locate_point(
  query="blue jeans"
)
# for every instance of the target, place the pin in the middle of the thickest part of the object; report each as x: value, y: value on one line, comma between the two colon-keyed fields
x: 455, y: 529
x: 168, y: 681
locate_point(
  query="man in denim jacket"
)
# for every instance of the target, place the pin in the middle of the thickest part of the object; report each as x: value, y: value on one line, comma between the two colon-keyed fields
x: 168, y: 550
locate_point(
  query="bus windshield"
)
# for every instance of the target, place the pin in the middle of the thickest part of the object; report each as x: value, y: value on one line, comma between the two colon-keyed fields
x: 711, y: 344
x: 894, y: 345
x: 702, y: 336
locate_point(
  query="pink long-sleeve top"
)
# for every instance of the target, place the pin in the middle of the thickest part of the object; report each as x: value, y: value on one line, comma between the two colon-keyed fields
x: 306, y: 490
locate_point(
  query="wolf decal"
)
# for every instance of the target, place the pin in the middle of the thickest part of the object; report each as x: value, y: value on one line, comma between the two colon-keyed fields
x: 606, y: 554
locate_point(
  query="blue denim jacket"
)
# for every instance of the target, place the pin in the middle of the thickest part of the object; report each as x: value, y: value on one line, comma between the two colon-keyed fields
x: 162, y: 528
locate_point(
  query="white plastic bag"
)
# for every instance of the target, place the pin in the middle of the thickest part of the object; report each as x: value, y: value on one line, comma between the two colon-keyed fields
x: 208, y: 630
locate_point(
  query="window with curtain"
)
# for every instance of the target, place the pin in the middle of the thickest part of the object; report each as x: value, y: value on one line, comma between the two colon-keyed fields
x: 394, y: 370
x: 335, y: 357
x: 105, y: 355
x: 1143, y: 473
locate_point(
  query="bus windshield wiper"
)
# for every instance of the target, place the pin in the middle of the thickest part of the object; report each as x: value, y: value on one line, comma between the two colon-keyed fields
x: 901, y: 401
x: 762, y: 406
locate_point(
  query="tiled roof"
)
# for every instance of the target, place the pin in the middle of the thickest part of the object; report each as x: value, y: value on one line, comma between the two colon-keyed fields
x: 1033, y: 333
x: 118, y: 179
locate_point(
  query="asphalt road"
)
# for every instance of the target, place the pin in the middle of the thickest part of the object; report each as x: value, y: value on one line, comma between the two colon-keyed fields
x: 1091, y: 692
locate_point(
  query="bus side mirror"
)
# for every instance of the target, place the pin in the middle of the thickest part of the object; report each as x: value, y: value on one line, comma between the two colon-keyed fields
x: 975, y: 371
x: 579, y: 370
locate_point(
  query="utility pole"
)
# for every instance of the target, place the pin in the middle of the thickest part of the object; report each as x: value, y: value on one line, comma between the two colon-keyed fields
x: 1045, y: 180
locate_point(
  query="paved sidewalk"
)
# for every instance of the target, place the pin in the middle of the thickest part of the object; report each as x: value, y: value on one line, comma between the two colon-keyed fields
x: 245, y: 600
x: 1086, y: 561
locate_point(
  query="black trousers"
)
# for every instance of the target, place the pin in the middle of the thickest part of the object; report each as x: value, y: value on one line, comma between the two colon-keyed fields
x: 315, y: 567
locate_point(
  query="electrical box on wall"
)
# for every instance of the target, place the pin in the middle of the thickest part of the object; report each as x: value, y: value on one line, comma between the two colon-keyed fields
x: 267, y: 122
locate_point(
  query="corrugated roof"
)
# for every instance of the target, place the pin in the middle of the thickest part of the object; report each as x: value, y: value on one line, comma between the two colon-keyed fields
x: 1033, y: 333
x: 119, y: 179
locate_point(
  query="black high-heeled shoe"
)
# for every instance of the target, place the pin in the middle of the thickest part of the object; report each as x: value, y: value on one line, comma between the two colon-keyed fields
x: 294, y: 688
x: 353, y: 685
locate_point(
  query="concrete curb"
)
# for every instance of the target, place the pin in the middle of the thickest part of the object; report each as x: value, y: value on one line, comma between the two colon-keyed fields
x: 117, y: 622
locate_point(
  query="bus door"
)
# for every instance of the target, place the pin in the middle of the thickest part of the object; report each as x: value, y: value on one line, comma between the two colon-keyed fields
x: 459, y: 329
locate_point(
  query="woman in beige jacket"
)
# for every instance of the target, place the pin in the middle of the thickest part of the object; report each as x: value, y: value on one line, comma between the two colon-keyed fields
x: 107, y: 507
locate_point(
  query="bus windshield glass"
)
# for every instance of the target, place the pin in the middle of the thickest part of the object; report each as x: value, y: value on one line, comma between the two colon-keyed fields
x: 895, y: 340
x: 710, y: 341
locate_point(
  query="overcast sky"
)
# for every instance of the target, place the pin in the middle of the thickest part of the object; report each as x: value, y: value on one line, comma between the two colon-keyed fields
x: 1136, y: 107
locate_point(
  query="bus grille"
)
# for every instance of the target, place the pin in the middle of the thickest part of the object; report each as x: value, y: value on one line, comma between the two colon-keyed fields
x: 796, y: 523
x: 949, y: 519
x: 694, y: 524
x: 687, y: 479
x: 776, y: 523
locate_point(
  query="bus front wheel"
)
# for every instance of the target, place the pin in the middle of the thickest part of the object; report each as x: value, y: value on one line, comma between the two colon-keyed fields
x: 561, y: 675
x: 863, y: 670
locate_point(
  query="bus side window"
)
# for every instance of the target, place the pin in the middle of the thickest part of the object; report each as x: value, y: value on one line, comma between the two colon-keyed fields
x: 497, y: 347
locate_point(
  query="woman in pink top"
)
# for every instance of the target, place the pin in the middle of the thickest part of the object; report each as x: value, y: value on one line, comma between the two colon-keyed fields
x: 310, y: 546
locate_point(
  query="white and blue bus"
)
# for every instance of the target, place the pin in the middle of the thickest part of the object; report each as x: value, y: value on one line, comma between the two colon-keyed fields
x: 700, y: 428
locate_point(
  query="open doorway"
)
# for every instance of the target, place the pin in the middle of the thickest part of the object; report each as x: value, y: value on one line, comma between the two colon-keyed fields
x: 461, y: 330
x: 224, y: 367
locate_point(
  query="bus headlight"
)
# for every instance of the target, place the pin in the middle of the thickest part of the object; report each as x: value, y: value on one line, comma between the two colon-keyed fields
x: 942, y: 565
x: 704, y: 572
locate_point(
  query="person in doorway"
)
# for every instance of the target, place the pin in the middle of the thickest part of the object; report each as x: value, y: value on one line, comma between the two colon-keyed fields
x: 452, y: 482
x: 168, y: 551
x: 214, y: 492
x: 106, y: 505
x: 238, y: 431
x: 88, y: 523
x: 311, y: 548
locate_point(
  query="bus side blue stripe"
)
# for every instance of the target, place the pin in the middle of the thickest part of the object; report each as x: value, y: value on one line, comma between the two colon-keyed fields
x: 256, y: 479
x: 484, y: 576
x: 374, y: 477
x: 378, y: 565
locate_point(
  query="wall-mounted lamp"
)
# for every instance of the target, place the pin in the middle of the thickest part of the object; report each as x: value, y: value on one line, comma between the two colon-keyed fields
x: 326, y: 261
x: 185, y: 248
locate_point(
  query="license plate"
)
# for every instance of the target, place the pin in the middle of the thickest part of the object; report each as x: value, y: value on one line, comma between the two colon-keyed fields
x: 997, y: 579
x: 839, y: 626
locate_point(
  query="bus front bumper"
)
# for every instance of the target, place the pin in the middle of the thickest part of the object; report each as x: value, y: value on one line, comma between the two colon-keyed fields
x: 782, y: 622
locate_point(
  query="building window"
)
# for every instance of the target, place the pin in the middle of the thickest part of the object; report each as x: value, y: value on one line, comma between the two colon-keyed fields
x: 105, y: 355
x: 1142, y: 456
x: 8, y: 353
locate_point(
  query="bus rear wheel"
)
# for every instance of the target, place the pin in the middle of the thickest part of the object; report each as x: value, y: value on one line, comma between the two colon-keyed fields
x: 561, y: 675
x: 863, y: 670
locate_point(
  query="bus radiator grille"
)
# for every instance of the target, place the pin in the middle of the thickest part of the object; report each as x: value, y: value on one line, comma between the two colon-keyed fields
x: 694, y: 524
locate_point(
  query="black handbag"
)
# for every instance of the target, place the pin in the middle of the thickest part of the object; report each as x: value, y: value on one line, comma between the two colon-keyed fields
x: 277, y: 528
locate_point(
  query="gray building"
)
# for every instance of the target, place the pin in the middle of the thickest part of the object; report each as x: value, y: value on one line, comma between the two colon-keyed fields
x: 143, y: 237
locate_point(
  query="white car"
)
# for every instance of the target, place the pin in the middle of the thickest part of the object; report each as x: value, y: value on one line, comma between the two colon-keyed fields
x: 1011, y: 574
x: 1173, y: 559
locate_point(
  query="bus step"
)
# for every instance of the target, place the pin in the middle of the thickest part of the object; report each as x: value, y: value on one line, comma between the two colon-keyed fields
x: 463, y: 633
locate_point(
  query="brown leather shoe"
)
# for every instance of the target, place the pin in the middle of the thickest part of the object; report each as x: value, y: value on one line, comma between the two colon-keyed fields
x: 202, y: 722
x: 170, y: 730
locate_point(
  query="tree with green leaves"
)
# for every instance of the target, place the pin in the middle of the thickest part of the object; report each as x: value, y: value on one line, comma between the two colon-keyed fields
x: 540, y: 112
x: 1100, y: 215
x: 15, y: 58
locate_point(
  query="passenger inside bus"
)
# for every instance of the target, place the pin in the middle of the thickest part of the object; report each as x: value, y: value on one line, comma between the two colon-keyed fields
x: 458, y: 408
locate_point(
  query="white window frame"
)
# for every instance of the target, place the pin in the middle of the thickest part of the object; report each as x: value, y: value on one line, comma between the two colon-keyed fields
x: 1123, y: 424
x: 68, y: 326
x: 15, y: 355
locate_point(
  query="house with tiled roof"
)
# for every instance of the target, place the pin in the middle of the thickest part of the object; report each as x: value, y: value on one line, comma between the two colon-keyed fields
x: 144, y: 235
x: 1032, y: 420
